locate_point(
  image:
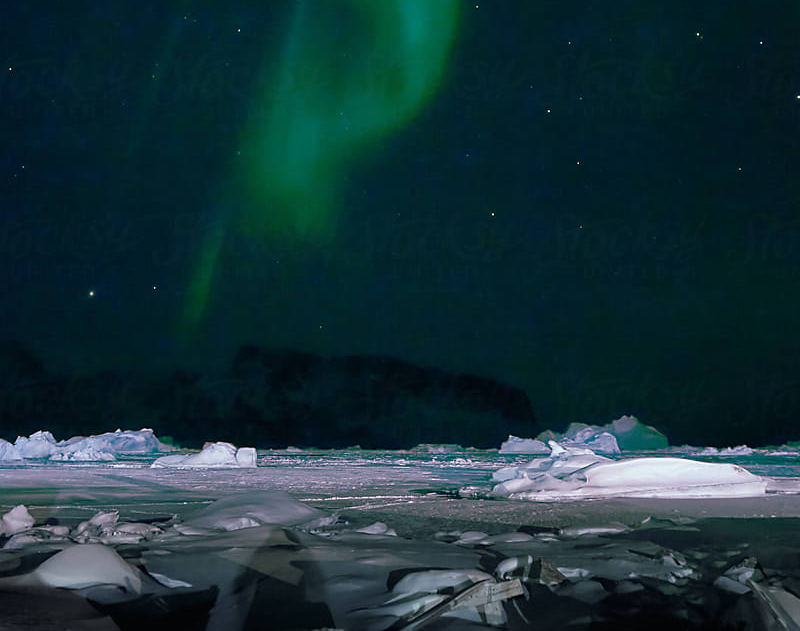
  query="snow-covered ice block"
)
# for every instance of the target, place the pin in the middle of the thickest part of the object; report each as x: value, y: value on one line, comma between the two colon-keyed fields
x: 219, y: 454
x: 577, y: 435
x: 601, y: 442
x: 84, y: 450
x: 517, y: 445
x: 86, y: 565
x: 571, y: 473
x: 142, y: 441
x: 246, y: 457
x: 16, y: 520
x: 582, y: 435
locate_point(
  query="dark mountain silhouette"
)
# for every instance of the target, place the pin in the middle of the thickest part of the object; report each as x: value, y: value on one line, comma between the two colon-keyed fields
x: 269, y: 398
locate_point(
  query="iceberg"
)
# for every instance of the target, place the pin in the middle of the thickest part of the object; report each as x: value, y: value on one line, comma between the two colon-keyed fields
x: 624, y: 434
x: 127, y: 442
x: 572, y: 473
x: 111, y: 444
x: 632, y: 435
x: 102, y: 447
x: 40, y: 444
x: 9, y: 451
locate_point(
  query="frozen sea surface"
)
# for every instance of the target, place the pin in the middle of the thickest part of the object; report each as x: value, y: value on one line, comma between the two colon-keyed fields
x: 390, y: 538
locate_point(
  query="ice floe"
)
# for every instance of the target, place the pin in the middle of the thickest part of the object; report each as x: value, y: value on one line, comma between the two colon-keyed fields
x: 517, y: 445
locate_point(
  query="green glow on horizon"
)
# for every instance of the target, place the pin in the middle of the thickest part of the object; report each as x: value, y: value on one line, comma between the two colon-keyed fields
x: 349, y: 73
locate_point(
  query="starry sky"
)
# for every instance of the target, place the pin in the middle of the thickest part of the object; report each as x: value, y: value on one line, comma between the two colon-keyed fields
x: 596, y: 202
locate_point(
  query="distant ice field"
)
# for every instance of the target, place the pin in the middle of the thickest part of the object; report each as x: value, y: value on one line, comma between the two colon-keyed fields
x: 367, y: 481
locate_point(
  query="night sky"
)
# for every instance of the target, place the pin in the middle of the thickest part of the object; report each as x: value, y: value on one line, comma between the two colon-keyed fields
x: 596, y: 202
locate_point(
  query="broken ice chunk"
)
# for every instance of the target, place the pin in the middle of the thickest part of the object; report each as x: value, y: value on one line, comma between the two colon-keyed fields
x: 101, y: 523
x: 730, y: 585
x: 378, y: 528
x: 246, y: 457
x: 743, y: 571
x: 85, y: 566
x: 16, y: 520
x: 431, y: 581
x: 471, y: 537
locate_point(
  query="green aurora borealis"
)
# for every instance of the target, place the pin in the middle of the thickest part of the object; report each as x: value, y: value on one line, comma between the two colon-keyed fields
x: 334, y: 92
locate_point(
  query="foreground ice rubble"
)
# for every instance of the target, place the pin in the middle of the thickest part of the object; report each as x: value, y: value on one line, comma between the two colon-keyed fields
x: 264, y: 555
x: 579, y: 473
